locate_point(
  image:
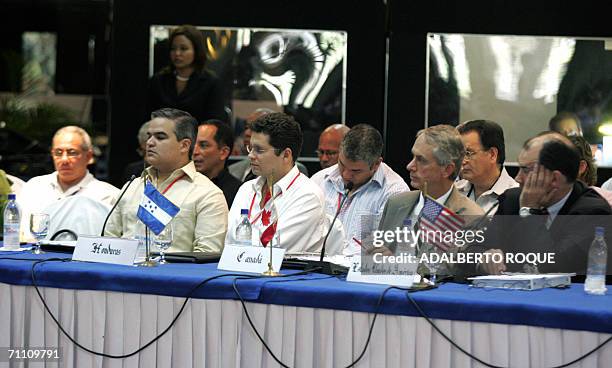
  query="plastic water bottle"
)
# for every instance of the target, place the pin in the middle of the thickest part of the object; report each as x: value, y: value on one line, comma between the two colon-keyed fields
x: 243, y: 230
x: 12, y: 219
x: 596, y: 271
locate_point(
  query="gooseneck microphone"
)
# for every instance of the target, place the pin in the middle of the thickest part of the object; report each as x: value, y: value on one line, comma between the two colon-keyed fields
x: 116, y: 203
x: 347, y: 188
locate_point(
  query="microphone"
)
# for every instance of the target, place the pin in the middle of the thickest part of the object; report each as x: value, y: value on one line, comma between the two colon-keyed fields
x: 347, y: 188
x: 321, y: 266
x: 116, y: 203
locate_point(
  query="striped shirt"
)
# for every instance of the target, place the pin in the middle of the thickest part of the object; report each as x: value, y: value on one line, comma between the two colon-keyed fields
x: 362, y: 211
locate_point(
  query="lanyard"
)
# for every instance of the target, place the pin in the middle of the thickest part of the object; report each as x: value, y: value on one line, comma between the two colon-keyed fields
x: 264, y: 205
x: 171, y: 184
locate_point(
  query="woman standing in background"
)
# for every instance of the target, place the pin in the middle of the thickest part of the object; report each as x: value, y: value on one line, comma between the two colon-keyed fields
x: 186, y: 84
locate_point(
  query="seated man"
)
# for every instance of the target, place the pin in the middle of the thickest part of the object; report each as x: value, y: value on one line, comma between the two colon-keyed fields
x: 213, y: 145
x: 329, y: 144
x: 296, y: 201
x: 552, y: 211
x: 201, y: 223
x: 437, y: 156
x: 373, y: 182
x: 72, y: 152
x: 484, y: 177
x: 241, y: 170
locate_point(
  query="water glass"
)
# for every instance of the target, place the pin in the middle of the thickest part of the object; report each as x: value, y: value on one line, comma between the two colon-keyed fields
x: 39, y: 227
x: 163, y: 240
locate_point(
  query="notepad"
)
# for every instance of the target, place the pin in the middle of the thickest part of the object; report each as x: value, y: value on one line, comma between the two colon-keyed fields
x: 522, y: 281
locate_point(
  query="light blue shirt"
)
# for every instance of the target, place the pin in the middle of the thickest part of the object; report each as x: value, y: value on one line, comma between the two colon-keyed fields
x: 362, y: 211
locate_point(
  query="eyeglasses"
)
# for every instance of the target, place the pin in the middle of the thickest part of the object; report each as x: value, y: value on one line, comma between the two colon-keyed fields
x: 526, y: 169
x: 70, y: 153
x: 256, y: 150
x: 326, y: 152
x: 470, y: 154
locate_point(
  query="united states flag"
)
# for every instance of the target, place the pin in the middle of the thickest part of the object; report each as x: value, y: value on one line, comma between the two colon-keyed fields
x: 437, y: 219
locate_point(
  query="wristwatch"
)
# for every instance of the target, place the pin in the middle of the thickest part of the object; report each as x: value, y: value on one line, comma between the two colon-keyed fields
x: 526, y: 211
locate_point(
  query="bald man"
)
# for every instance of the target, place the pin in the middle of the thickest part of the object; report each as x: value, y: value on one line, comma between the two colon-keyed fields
x: 329, y: 144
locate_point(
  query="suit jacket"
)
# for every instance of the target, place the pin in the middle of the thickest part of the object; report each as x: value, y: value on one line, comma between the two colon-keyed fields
x: 239, y: 169
x: 568, y: 237
x: 400, y: 206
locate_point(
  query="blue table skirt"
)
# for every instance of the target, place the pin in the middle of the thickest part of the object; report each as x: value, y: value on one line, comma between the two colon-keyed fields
x: 557, y: 308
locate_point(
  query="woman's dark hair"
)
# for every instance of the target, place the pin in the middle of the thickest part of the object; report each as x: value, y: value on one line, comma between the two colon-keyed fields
x: 197, y: 40
x: 584, y: 148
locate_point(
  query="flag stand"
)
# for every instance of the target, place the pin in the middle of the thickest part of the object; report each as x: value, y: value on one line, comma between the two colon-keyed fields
x: 270, y: 271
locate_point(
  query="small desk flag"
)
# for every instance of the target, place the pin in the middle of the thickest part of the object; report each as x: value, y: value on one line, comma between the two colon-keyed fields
x: 155, y: 210
x: 437, y: 218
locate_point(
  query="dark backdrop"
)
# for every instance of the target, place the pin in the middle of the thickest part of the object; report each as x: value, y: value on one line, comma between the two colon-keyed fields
x: 410, y: 21
x: 364, y: 22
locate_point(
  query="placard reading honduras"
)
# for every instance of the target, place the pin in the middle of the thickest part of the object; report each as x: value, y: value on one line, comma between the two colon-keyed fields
x: 250, y: 259
x: 105, y: 250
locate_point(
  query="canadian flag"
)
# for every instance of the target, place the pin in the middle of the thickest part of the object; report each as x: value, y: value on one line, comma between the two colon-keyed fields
x: 269, y: 219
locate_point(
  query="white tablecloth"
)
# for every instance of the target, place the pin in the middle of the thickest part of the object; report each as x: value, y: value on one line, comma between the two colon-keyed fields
x: 216, y: 333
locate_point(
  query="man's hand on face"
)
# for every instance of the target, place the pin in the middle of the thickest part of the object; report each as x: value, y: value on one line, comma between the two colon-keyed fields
x: 537, y: 191
x: 493, y: 268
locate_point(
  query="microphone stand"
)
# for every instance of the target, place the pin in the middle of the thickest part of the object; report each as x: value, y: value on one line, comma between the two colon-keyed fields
x: 325, y: 267
x: 116, y: 203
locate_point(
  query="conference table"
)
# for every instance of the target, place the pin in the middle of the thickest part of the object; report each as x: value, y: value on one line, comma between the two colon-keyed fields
x: 306, y: 320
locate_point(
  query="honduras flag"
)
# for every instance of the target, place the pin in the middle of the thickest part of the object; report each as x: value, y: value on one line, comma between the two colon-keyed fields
x: 155, y: 210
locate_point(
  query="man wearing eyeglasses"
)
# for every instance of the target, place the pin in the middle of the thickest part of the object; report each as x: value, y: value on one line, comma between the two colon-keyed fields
x: 372, y: 181
x: 71, y: 152
x: 556, y: 213
x: 241, y: 170
x: 484, y: 177
x: 284, y: 206
x: 329, y: 144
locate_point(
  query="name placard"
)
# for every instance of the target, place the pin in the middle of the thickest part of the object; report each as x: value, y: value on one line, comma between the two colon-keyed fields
x: 105, y: 250
x: 250, y: 259
x: 355, y: 275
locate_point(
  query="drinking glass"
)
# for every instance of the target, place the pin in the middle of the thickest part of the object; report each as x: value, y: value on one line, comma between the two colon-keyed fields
x: 164, y: 240
x: 39, y: 227
x: 434, y: 262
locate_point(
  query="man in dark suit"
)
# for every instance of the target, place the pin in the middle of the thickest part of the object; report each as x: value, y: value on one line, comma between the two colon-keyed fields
x: 213, y: 146
x: 551, y: 212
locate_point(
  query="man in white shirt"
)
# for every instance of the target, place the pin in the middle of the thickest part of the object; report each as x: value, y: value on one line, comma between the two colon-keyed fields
x: 373, y: 182
x: 201, y: 223
x: 72, y: 152
x: 294, y: 206
x: 241, y: 170
x: 484, y: 177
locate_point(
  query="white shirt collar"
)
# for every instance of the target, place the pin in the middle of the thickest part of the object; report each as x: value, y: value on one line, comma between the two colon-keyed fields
x: 282, y: 185
x: 442, y: 200
x: 553, y: 210
x: 73, y: 189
